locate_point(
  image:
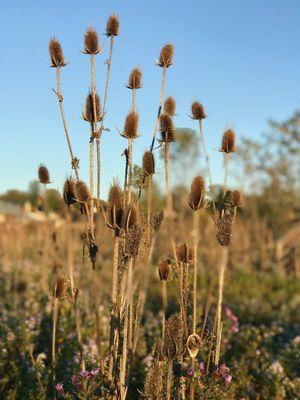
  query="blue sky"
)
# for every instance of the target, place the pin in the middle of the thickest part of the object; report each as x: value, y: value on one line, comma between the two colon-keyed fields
x: 240, y: 58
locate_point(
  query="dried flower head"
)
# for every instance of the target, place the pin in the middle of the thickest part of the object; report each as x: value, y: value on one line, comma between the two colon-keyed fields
x: 91, y: 42
x: 198, y: 111
x: 131, y: 125
x: 167, y: 128
x: 115, y: 206
x: 197, y: 193
x: 236, y: 199
x: 166, y: 56
x: 135, y: 79
x: 170, y: 106
x: 182, y: 253
x: 69, y: 191
x: 224, y: 227
x: 164, y: 269
x: 82, y: 192
x: 193, y: 345
x: 113, y: 26
x: 157, y: 219
x: 153, y: 387
x: 92, y: 112
x: 56, y: 54
x: 191, y: 256
x: 148, y: 163
x: 228, y: 141
x: 44, y: 175
x: 133, y: 240
x: 61, y: 288
x: 172, y: 345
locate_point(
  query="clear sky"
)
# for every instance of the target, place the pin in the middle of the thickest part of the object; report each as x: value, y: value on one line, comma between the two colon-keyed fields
x: 240, y: 58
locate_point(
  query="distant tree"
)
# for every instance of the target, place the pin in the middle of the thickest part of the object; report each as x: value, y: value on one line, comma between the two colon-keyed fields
x: 15, y: 196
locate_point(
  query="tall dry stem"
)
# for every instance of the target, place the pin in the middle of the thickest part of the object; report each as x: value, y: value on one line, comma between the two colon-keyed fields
x: 164, y: 308
x: 167, y: 175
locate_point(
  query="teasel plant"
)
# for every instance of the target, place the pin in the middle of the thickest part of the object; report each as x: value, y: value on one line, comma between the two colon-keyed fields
x: 196, y: 203
x: 148, y: 165
x: 44, y: 178
x: 112, y: 31
x: 164, y: 273
x: 168, y: 135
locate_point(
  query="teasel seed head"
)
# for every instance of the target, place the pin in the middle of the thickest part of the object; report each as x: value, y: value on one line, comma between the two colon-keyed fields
x: 166, y: 56
x: 164, y: 269
x: 44, y: 175
x: 193, y: 345
x: 133, y: 240
x: 228, y: 141
x: 172, y: 345
x: 167, y: 129
x: 197, y: 193
x: 236, y: 199
x: 182, y: 253
x: 56, y: 54
x: 153, y: 387
x: 148, y: 163
x: 224, y: 226
x: 113, y: 26
x: 170, y: 106
x: 191, y: 256
x: 91, y: 42
x: 135, y: 79
x: 82, y: 191
x: 115, y: 207
x: 157, y: 220
x: 88, y: 114
x: 69, y: 192
x: 198, y: 111
x: 131, y: 126
x: 62, y: 286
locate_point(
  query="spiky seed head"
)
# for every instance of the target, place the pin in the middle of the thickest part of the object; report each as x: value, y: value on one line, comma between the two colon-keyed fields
x: 164, y: 269
x: 197, y: 193
x: 135, y: 79
x: 82, y: 192
x: 56, y: 54
x: 193, y: 345
x: 133, y: 240
x: 91, y: 42
x: 198, y: 111
x: 69, y: 191
x: 170, y: 106
x: 153, y: 387
x: 236, y: 199
x: 224, y: 227
x: 172, y: 345
x: 61, y: 289
x: 182, y: 253
x: 115, y: 207
x: 157, y: 220
x: 148, y: 163
x: 44, y: 175
x: 228, y: 141
x: 113, y: 26
x: 92, y: 112
x: 131, y: 125
x: 167, y: 129
x: 166, y: 56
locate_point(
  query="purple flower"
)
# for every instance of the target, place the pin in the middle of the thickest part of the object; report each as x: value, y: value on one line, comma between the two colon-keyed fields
x: 74, y: 379
x: 222, y: 370
x: 84, y: 374
x: 78, y: 385
x: 59, y: 387
x: 234, y: 328
x: 202, y: 366
x: 190, y: 372
x: 95, y: 372
x: 227, y: 379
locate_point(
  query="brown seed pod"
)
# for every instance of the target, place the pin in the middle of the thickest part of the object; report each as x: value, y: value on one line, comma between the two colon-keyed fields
x: 135, y: 79
x: 170, y: 106
x: 236, y: 199
x: 61, y: 289
x: 228, y: 141
x: 133, y: 240
x: 82, y: 191
x: 131, y: 126
x: 166, y: 56
x: 91, y: 42
x: 69, y: 192
x: 172, y: 345
x: 44, y: 175
x: 112, y: 26
x: 56, y: 54
x: 167, y: 129
x: 115, y: 207
x: 88, y: 114
x: 193, y: 345
x: 164, y: 269
x: 224, y: 227
x: 198, y: 111
x: 148, y: 163
x: 197, y: 193
x: 157, y: 220
x: 182, y: 253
